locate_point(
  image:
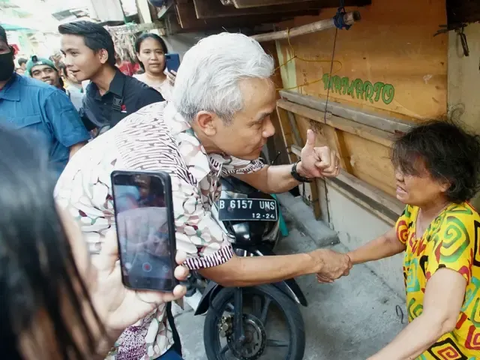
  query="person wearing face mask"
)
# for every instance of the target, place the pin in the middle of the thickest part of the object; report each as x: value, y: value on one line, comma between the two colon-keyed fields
x: 43, y: 112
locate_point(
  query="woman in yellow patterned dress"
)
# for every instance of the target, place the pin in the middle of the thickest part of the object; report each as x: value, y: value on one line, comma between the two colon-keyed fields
x: 437, y: 172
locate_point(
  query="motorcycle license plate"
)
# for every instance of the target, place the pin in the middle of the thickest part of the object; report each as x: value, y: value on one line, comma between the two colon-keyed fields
x: 247, y: 210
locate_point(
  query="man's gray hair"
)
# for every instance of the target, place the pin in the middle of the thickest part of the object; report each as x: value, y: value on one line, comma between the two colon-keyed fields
x: 210, y: 71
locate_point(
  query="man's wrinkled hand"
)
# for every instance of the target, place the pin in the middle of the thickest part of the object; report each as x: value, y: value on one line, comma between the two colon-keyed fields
x: 318, y: 161
x: 333, y: 265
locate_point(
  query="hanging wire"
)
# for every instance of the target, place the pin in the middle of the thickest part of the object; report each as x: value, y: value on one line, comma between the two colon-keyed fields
x: 295, y: 56
x: 330, y: 79
x: 339, y: 22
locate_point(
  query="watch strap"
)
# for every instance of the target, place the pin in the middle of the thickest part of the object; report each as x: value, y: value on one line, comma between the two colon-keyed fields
x: 297, y: 176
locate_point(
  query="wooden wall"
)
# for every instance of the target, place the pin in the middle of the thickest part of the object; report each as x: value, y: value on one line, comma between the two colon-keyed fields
x: 392, y: 44
x: 388, y: 63
x: 464, y: 78
x: 463, y: 82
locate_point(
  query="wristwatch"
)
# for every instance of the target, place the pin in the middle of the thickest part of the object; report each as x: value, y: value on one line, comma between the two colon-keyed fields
x: 297, y: 176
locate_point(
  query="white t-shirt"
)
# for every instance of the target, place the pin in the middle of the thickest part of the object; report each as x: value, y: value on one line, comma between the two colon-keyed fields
x: 165, y: 87
x: 76, y: 96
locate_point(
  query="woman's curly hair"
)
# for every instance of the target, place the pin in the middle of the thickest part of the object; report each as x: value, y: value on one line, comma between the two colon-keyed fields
x: 448, y: 153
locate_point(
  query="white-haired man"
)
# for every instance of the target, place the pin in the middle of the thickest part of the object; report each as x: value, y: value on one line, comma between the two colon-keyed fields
x: 216, y: 125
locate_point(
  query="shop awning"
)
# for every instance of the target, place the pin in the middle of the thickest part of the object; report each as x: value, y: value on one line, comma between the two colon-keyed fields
x: 11, y: 27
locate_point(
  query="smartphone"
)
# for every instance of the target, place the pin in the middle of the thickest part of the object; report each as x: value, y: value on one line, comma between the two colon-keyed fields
x: 145, y: 229
x: 173, y: 62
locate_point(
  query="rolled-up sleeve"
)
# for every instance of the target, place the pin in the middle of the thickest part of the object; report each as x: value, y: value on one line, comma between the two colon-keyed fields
x: 64, y: 120
x: 198, y: 233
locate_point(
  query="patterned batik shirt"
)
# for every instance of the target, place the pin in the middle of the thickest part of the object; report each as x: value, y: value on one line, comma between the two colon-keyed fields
x: 154, y: 138
x: 451, y: 241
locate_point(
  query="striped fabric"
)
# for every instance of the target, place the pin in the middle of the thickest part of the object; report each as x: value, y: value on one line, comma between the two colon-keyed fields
x: 219, y: 258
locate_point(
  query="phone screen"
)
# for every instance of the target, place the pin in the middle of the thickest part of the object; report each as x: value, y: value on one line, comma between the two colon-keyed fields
x: 143, y: 231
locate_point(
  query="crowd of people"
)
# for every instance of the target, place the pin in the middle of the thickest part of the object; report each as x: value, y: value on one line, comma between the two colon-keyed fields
x: 60, y: 302
x: 98, y: 85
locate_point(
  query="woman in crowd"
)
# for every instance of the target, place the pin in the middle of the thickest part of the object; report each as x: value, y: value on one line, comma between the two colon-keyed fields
x: 437, y: 172
x: 72, y: 87
x: 151, y: 50
x: 54, y: 303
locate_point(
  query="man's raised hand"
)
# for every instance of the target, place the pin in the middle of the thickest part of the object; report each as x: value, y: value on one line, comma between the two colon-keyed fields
x: 318, y: 161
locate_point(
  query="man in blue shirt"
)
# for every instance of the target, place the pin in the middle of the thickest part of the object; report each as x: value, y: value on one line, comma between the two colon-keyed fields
x: 43, y: 111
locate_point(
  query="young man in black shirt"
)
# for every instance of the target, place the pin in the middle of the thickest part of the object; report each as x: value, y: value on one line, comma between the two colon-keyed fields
x: 90, y: 55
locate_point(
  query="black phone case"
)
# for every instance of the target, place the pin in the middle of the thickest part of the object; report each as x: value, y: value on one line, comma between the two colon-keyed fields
x: 165, y: 177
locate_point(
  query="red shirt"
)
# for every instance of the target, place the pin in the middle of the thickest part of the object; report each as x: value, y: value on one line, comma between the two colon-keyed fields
x: 128, y: 68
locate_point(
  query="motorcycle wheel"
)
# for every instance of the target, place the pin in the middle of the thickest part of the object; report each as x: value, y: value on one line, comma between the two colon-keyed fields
x: 224, y: 300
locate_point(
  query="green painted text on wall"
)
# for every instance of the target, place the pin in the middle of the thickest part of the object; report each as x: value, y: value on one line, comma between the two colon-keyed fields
x: 364, y: 90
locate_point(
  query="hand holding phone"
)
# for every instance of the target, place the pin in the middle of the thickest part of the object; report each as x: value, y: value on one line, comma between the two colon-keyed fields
x: 172, y: 76
x: 145, y: 229
x: 118, y: 307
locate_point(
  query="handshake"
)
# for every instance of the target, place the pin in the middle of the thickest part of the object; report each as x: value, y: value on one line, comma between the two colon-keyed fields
x: 330, y: 265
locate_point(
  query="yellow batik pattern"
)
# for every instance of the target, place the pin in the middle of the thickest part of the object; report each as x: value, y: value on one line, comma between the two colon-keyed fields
x: 451, y: 241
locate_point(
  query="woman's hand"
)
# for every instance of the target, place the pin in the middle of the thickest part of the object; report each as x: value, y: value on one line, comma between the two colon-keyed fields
x: 119, y: 307
x: 171, y: 76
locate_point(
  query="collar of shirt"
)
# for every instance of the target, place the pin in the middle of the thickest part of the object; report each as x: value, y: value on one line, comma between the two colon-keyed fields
x: 10, y: 91
x: 198, y: 162
x: 116, y: 86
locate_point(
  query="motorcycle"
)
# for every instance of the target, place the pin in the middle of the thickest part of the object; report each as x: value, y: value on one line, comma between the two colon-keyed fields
x: 237, y: 318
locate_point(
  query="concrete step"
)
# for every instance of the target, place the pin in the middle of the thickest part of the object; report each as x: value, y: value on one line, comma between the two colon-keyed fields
x: 296, y: 211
